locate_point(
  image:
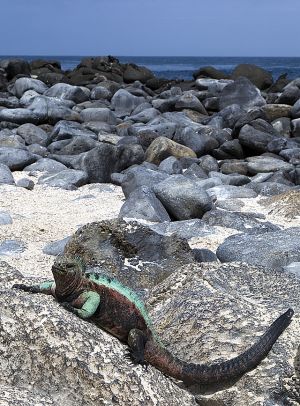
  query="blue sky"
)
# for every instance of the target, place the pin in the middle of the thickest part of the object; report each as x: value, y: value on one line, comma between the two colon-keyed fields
x: 150, y: 27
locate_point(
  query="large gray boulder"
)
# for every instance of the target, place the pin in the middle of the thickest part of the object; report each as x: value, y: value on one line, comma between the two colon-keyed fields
x: 23, y: 84
x: 183, y: 198
x: 6, y: 176
x: 124, y: 102
x: 133, y: 253
x: 208, y: 313
x: 68, y: 179
x: 46, y: 165
x: 16, y: 158
x: 98, y: 114
x: 20, y: 116
x: 32, y: 134
x: 57, y: 359
x: 243, y: 93
x: 14, y: 67
x: 52, y: 110
x: 273, y: 250
x: 254, y: 139
x: 65, y: 91
x: 67, y: 129
x: 142, y: 204
x: 258, y: 76
x: 138, y: 176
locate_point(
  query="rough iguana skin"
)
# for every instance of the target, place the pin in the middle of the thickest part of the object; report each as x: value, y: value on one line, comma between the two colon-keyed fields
x: 117, y: 310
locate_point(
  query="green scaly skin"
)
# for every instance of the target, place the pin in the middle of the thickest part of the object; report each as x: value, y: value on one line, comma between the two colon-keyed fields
x: 116, y: 309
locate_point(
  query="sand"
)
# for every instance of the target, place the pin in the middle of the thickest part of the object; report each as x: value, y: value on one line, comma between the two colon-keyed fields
x: 47, y: 214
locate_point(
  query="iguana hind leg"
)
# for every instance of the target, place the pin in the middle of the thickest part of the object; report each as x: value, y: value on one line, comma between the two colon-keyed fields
x: 136, y: 341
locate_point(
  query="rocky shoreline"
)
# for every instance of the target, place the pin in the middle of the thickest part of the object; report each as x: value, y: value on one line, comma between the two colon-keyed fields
x: 215, y: 160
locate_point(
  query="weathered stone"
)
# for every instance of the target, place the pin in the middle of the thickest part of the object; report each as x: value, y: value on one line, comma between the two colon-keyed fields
x: 268, y: 188
x: 183, y: 198
x: 243, y: 93
x: 204, y: 255
x: 188, y: 229
x: 16, y: 158
x: 228, y: 295
x: 171, y: 165
x: 139, y: 176
x: 133, y: 72
x: 65, y: 91
x: 275, y: 111
x: 124, y: 102
x: 68, y: 129
x: 51, y: 110
x: 246, y: 222
x: 46, y: 165
x: 6, y: 176
x: 33, y: 134
x: 98, y: 114
x: 162, y: 147
x: 135, y: 254
x: 258, y: 76
x: 267, y: 164
x: 68, y: 179
x: 273, y: 250
x: 14, y: 67
x: 25, y: 183
x: 143, y: 204
x: 23, y: 84
x: 230, y: 192
x: 210, y: 72
x: 254, y: 139
x: 56, y: 247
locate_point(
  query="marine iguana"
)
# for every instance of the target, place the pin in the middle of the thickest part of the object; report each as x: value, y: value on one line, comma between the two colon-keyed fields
x: 117, y: 309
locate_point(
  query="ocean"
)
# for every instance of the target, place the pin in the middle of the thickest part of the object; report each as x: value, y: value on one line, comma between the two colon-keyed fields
x: 182, y: 67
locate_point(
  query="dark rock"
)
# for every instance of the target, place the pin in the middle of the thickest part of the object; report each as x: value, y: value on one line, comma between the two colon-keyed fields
x: 234, y: 166
x: 189, y: 101
x: 268, y: 188
x: 182, y: 197
x: 10, y: 102
x: 289, y: 95
x: 210, y: 72
x: 229, y: 149
x: 230, y: 179
x: 282, y: 126
x: 16, y: 158
x: 295, y: 111
x: 117, y: 247
x: 171, y: 165
x: 133, y: 72
x: 253, y: 139
x: 211, y: 103
x: 56, y: 247
x: 275, y: 111
x: 143, y: 204
x: 99, y: 114
x: 51, y: 110
x: 161, y: 148
x: 295, y: 126
x: 195, y: 171
x: 23, y: 84
x: 243, y: 93
x: 65, y: 91
x: 33, y: 134
x: 230, y: 204
x: 14, y: 67
x: 139, y: 176
x: 199, y: 143
x: 148, y: 133
x: 5, y: 218
x: 68, y: 179
x: 230, y: 192
x: 208, y: 163
x: 6, y: 176
x: 11, y: 248
x: 258, y: 76
x: 46, y: 165
x: 213, y: 86
x: 272, y: 250
x: 229, y: 295
x: 267, y: 164
x: 246, y: 222
x: 77, y: 145
x: 188, y: 229
x: 100, y: 162
x: 145, y: 116
x: 204, y: 255
x: 68, y: 129
x: 124, y: 102
x: 290, y: 153
x: 25, y: 183
x: 20, y: 116
x: 100, y: 92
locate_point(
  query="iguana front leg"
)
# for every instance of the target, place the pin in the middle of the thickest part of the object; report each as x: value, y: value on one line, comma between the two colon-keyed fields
x: 89, y: 302
x: 48, y: 288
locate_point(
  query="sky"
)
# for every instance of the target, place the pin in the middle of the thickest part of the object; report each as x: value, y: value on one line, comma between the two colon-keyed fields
x: 150, y: 27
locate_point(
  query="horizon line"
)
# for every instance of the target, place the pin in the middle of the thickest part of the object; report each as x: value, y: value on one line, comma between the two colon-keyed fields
x: 150, y: 56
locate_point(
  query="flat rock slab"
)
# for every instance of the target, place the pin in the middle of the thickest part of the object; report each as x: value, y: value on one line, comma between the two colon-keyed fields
x: 54, y: 355
x: 224, y: 192
x: 56, y: 247
x: 206, y: 313
x: 185, y: 229
x: 273, y: 250
x: 12, y: 247
x: 5, y: 218
x: 136, y: 255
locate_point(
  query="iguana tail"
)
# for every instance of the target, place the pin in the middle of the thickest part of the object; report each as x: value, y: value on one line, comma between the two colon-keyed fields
x: 191, y: 373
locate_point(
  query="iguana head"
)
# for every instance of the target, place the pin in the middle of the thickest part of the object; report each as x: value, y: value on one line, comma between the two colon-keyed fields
x: 65, y: 265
